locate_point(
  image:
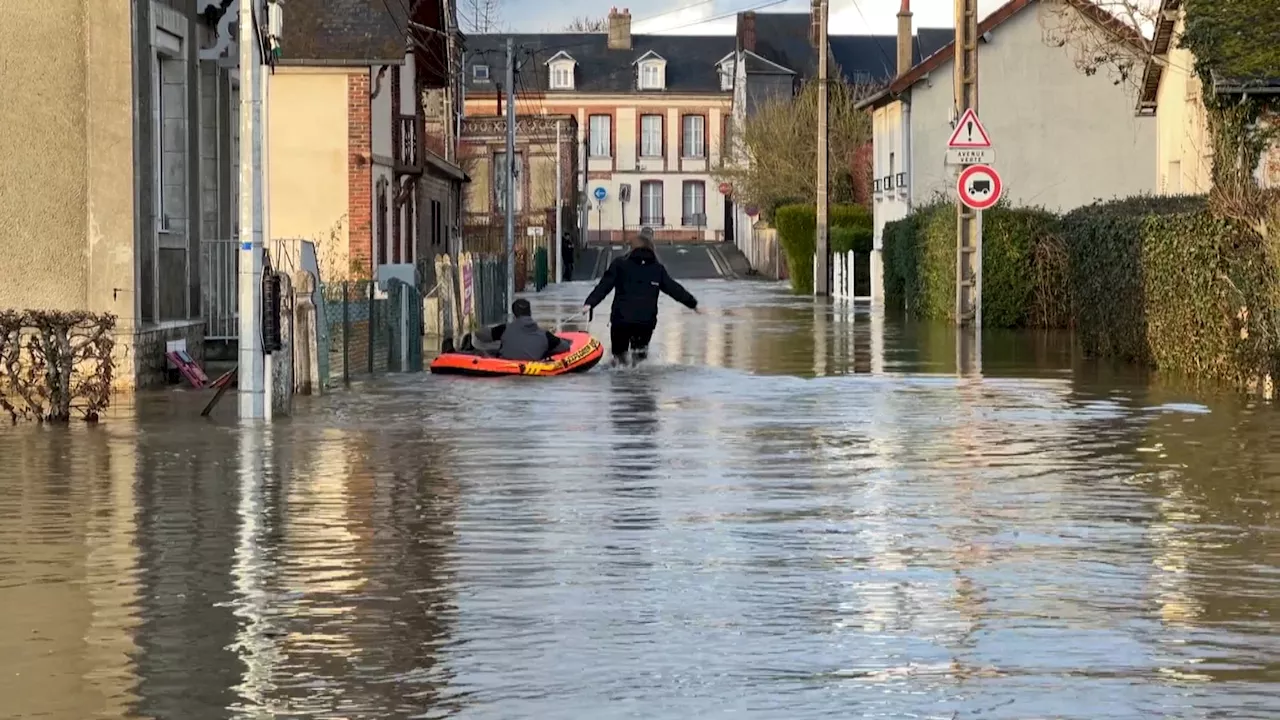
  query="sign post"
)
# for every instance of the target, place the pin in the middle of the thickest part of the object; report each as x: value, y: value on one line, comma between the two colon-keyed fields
x: 600, y: 194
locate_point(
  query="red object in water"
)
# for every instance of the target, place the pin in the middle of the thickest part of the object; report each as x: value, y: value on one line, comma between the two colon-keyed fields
x: 584, y: 352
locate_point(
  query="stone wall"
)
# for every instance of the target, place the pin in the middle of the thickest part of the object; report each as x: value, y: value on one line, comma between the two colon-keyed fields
x: 143, y: 354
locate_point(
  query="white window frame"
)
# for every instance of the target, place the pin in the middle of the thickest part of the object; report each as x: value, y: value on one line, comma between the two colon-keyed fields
x: 697, y: 132
x: 693, y: 201
x: 499, y: 196
x: 562, y: 76
x: 600, y: 141
x: 648, y: 136
x: 726, y: 76
x: 157, y: 117
x: 648, y: 203
x: 650, y: 75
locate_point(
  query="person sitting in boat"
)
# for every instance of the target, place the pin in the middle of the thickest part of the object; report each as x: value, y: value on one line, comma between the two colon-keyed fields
x: 520, y: 339
x: 636, y: 279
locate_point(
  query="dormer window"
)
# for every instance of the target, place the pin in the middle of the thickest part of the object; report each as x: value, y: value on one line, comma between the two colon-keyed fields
x: 560, y: 71
x: 480, y: 73
x: 725, y: 69
x: 652, y: 71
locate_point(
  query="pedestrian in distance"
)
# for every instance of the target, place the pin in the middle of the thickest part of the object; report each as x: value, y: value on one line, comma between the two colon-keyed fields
x: 636, y: 280
x: 566, y: 257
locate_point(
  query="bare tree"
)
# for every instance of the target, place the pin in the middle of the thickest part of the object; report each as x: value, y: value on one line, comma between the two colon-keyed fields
x: 477, y: 17
x: 777, y: 149
x: 1107, y: 36
x: 587, y: 25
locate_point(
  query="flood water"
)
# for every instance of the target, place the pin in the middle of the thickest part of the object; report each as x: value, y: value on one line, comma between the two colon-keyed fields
x: 792, y: 513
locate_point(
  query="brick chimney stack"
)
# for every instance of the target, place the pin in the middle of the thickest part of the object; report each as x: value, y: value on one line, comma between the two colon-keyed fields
x: 747, y: 30
x: 620, y: 29
x: 904, y: 38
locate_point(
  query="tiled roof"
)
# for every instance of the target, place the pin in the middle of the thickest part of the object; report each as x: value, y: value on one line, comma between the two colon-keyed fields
x: 691, y: 61
x: 358, y: 31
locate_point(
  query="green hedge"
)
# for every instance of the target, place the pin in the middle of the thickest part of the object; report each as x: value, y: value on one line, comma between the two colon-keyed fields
x: 797, y: 226
x: 1164, y: 283
x: 1024, y: 266
x: 851, y: 239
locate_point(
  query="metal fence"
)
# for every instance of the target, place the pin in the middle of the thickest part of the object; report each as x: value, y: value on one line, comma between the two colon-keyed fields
x: 219, y: 286
x: 367, y: 331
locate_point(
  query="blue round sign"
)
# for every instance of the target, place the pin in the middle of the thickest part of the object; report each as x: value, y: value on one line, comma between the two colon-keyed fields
x: 599, y: 193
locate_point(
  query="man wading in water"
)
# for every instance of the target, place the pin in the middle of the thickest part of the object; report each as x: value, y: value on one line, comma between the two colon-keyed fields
x: 636, y: 279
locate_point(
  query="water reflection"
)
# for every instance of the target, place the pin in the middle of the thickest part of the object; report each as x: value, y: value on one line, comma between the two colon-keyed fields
x: 792, y: 512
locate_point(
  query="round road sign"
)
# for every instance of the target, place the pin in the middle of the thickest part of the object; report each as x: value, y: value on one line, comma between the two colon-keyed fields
x: 599, y: 193
x: 979, y: 186
x: 725, y: 188
x: 752, y: 211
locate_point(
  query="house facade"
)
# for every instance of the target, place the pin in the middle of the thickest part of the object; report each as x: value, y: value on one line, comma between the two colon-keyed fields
x: 1062, y: 138
x: 1173, y: 93
x: 650, y: 113
x: 120, y: 162
x: 350, y: 169
x: 777, y: 52
x: 538, y: 140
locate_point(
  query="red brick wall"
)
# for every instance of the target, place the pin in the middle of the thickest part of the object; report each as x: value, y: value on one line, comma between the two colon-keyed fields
x: 359, y: 173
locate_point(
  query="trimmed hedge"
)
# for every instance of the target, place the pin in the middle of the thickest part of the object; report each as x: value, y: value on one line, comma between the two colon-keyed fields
x: 1157, y: 281
x: 1164, y: 283
x: 797, y: 226
x: 851, y: 239
x: 1024, y: 266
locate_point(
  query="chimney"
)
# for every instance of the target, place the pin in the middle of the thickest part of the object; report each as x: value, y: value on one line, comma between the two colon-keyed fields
x: 747, y: 30
x: 815, y: 21
x: 619, y: 29
x: 904, y: 38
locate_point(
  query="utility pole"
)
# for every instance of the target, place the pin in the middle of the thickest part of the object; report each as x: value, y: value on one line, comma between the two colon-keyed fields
x: 555, y: 248
x: 511, y: 172
x: 584, y: 158
x: 821, y: 285
x: 251, y: 375
x: 968, y: 221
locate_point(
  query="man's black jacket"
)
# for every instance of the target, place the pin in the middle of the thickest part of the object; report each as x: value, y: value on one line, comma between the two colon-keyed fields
x: 636, y: 279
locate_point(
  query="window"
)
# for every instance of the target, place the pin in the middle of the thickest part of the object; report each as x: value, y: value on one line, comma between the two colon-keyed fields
x: 650, y: 76
x: 501, y: 176
x: 650, y: 136
x: 726, y: 76
x: 695, y: 204
x: 562, y: 76
x: 601, y: 142
x: 651, y: 203
x: 480, y: 73
x: 693, y: 137
x: 162, y: 222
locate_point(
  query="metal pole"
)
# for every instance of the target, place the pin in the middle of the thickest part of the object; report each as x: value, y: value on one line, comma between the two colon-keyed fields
x: 821, y: 284
x: 968, y: 222
x: 252, y: 368
x: 584, y: 158
x: 555, y: 249
x: 511, y: 172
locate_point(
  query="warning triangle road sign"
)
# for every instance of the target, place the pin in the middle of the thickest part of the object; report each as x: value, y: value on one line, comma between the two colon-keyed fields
x: 969, y: 133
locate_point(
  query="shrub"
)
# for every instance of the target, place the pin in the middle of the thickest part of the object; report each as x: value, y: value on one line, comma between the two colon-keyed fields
x: 851, y: 239
x: 1024, y: 266
x: 797, y: 225
x: 1164, y: 283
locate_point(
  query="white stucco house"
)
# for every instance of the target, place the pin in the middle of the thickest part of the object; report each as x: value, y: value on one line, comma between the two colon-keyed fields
x: 1062, y: 138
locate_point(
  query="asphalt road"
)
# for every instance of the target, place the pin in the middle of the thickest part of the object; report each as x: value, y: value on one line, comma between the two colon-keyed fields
x: 685, y: 261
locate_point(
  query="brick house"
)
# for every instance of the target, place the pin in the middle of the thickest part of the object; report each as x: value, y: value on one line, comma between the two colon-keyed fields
x: 349, y: 166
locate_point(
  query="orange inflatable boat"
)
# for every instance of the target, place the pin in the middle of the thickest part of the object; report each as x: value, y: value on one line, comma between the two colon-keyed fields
x: 584, y: 352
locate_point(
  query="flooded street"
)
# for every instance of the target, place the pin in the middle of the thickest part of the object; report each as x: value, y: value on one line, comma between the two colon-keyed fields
x: 791, y: 513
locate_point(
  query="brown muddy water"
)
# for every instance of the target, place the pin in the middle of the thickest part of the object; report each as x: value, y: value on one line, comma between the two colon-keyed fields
x: 793, y: 513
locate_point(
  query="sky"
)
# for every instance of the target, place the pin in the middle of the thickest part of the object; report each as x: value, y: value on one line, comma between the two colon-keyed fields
x: 716, y: 17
